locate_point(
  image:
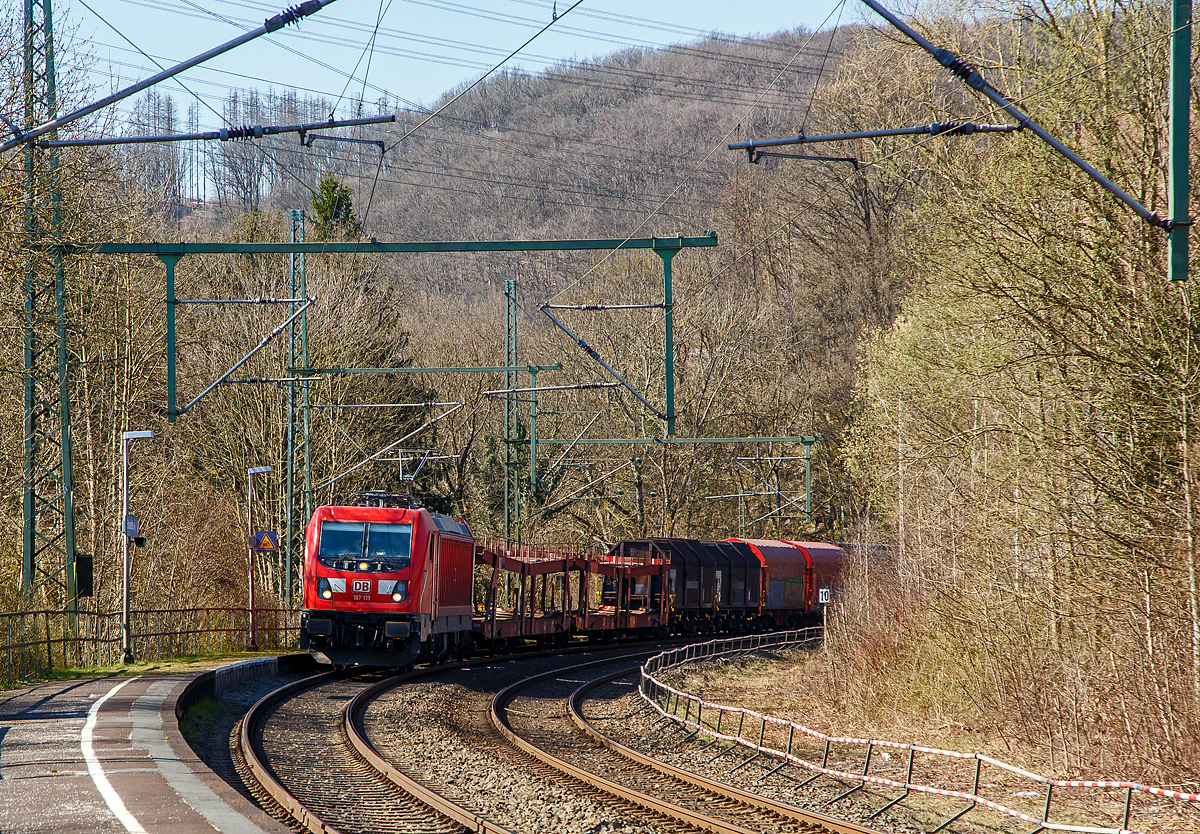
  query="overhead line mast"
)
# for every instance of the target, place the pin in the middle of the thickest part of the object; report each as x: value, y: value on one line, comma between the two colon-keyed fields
x: 1181, y: 50
x: 48, y: 509
x: 48, y: 537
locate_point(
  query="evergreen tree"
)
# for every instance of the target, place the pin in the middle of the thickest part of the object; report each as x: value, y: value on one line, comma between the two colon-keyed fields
x: 333, y: 208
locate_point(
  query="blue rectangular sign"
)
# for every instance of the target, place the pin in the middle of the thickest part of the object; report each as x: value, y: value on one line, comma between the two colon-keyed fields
x: 264, y: 541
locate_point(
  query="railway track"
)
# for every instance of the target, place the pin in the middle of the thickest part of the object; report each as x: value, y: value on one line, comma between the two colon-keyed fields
x: 295, y: 744
x: 575, y: 706
x: 480, y: 746
x: 539, y: 716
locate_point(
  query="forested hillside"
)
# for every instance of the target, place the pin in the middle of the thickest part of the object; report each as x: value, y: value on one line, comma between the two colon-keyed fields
x: 1027, y: 426
x: 630, y: 145
x: 1004, y: 379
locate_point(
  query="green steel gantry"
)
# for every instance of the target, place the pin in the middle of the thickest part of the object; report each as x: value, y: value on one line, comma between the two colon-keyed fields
x: 298, y: 487
x: 298, y: 467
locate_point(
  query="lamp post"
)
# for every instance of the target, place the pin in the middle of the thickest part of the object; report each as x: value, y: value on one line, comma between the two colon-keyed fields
x: 126, y: 534
x: 250, y: 473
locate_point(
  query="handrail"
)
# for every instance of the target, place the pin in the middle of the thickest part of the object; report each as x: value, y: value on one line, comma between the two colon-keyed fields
x: 33, y: 644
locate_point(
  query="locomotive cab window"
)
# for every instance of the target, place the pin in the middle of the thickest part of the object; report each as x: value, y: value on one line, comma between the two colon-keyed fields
x: 342, y: 538
x: 390, y: 541
x: 359, y: 546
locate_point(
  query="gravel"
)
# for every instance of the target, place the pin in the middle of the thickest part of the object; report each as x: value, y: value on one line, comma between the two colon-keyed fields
x: 615, y: 710
x: 438, y: 732
x: 436, y: 729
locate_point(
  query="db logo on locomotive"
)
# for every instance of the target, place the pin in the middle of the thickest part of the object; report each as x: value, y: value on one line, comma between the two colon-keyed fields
x: 362, y: 586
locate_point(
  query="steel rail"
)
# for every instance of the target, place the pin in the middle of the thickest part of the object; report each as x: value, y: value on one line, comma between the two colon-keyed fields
x: 301, y: 814
x: 574, y: 709
x: 253, y: 754
x: 500, y: 722
x: 357, y: 706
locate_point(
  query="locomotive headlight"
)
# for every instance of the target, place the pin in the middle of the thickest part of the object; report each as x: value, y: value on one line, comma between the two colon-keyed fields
x: 323, y: 588
x: 364, y: 566
x: 400, y: 592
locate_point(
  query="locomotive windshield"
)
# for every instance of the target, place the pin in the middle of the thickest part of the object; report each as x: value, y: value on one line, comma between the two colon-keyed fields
x: 374, y: 546
x: 342, y: 538
x: 389, y: 541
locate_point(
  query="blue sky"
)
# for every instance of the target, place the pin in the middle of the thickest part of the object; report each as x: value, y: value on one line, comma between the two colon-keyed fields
x: 422, y: 48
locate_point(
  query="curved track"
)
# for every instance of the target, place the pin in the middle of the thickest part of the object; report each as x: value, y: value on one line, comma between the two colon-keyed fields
x: 331, y: 754
x: 472, y: 780
x: 295, y: 743
x: 703, y: 783
x: 534, y: 715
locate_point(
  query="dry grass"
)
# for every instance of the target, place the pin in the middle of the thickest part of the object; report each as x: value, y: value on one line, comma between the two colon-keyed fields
x: 803, y: 686
x: 163, y: 667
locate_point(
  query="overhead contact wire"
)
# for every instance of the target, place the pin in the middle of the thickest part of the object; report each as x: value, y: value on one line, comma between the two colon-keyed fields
x: 821, y: 69
x: 466, y: 90
x: 719, y: 145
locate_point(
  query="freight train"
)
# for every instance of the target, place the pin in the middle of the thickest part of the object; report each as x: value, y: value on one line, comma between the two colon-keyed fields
x: 393, y: 585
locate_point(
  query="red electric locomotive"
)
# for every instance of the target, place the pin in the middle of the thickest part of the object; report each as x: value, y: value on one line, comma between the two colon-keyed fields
x: 386, y: 585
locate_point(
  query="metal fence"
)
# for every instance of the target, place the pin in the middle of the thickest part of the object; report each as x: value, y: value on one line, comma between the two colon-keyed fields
x: 764, y: 737
x: 37, y: 643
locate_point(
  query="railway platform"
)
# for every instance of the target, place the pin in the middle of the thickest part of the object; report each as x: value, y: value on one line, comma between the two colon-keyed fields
x: 106, y: 755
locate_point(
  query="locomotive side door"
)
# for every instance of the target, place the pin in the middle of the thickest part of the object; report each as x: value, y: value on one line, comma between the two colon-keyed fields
x: 433, y: 568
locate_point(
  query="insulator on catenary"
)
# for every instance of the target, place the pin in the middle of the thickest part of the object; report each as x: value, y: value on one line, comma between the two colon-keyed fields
x: 960, y: 68
x: 245, y: 132
x: 273, y: 24
x: 591, y: 351
x: 953, y: 128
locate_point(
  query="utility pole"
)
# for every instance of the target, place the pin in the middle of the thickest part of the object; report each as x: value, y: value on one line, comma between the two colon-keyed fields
x: 48, y: 508
x: 512, y: 486
x: 1180, y: 124
x: 299, y: 451
x: 128, y: 531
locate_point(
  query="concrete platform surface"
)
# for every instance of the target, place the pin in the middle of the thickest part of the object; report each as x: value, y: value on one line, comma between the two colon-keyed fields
x: 106, y: 755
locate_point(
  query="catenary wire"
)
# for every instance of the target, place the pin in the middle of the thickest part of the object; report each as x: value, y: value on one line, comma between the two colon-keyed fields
x: 368, y: 51
x: 707, y: 156
x: 824, y: 58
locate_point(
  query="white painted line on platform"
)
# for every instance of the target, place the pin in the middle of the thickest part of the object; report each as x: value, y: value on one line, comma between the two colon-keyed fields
x: 97, y: 772
x: 147, y: 734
